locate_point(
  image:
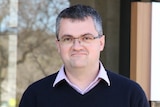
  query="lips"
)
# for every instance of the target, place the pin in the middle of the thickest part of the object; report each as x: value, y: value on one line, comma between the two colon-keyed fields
x: 78, y: 54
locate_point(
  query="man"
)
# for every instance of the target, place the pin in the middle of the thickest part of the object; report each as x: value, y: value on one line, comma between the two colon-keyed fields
x: 82, y: 81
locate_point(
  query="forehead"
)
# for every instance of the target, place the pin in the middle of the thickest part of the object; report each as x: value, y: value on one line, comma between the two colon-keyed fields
x: 77, y: 27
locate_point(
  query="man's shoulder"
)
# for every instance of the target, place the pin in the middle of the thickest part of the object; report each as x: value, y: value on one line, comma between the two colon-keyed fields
x: 45, y: 82
x: 122, y: 81
x: 126, y: 88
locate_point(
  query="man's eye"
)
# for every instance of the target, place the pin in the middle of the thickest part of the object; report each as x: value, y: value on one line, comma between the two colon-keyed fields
x: 86, y: 38
x: 67, y: 39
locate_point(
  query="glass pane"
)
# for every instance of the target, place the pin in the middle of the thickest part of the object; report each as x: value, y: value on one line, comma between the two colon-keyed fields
x: 27, y: 45
x: 155, y: 52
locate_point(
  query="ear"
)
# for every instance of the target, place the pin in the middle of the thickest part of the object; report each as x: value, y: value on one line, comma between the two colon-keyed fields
x: 58, y: 46
x: 102, y: 42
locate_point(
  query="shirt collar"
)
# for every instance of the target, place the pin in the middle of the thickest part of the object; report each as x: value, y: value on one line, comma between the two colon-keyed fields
x: 62, y: 76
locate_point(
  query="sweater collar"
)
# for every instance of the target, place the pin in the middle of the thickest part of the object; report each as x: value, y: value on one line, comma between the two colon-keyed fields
x: 62, y: 76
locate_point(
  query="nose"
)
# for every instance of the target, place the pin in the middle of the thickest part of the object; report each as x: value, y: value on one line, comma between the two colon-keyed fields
x: 77, y: 43
x: 76, y: 40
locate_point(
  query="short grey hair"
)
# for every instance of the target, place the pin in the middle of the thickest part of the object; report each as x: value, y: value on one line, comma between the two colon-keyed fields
x: 80, y: 12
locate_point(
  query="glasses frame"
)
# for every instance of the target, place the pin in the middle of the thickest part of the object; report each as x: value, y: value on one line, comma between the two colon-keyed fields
x: 80, y: 40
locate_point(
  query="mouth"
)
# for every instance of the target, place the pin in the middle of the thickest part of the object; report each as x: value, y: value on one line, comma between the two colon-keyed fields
x: 78, y: 54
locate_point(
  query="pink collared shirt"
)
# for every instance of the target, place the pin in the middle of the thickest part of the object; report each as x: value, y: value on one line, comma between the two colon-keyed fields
x: 101, y: 75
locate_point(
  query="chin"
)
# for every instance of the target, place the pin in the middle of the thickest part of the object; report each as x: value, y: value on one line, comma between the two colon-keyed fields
x: 78, y: 65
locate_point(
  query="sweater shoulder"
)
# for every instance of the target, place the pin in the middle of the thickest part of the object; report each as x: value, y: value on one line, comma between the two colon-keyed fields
x: 128, y: 89
x: 45, y: 82
x: 122, y: 81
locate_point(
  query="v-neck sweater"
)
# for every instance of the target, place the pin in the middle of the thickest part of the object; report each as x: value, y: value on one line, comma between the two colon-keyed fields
x: 122, y: 92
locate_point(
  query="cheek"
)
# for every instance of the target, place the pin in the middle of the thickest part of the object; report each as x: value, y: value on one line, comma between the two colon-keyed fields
x: 61, y: 49
x: 94, y: 50
x: 63, y: 52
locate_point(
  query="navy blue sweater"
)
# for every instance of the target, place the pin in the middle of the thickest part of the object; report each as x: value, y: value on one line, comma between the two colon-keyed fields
x: 122, y: 92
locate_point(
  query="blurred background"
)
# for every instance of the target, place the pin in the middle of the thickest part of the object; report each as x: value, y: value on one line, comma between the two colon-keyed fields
x: 27, y: 41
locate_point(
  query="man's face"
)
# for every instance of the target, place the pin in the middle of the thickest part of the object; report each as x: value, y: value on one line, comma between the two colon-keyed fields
x: 79, y: 54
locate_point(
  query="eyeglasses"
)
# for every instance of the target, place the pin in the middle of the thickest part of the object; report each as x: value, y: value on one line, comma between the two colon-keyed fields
x: 88, y: 38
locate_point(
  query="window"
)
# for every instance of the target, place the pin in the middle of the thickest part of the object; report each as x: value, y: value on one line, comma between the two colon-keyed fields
x: 27, y: 49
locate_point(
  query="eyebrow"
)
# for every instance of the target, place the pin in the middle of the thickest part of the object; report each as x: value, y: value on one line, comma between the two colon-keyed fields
x: 68, y: 35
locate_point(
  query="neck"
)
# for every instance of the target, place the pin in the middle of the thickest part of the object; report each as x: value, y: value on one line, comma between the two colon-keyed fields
x: 82, y: 77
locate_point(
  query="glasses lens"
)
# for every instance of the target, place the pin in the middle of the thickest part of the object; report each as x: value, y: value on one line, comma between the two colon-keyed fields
x: 82, y: 39
x: 86, y: 38
x: 66, y: 40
